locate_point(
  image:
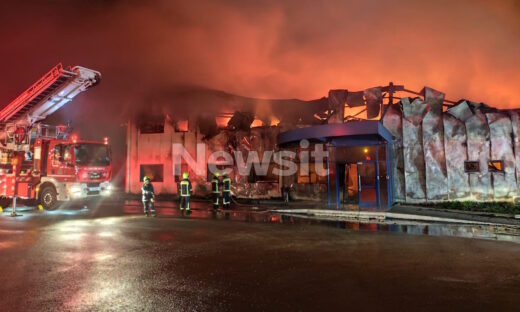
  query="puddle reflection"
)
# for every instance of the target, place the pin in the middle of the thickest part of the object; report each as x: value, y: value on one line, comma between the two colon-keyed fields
x: 491, y: 232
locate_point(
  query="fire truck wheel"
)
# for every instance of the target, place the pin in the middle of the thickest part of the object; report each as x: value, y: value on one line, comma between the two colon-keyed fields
x: 48, y: 198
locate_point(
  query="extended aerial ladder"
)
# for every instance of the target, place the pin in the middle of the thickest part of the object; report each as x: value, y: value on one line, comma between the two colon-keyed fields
x: 18, y: 120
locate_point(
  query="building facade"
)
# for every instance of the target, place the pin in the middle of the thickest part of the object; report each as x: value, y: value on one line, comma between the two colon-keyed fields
x: 380, y: 148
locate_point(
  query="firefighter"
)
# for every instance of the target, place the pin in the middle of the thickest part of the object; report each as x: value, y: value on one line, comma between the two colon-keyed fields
x: 215, y: 190
x: 226, y: 191
x: 148, y: 196
x: 186, y: 191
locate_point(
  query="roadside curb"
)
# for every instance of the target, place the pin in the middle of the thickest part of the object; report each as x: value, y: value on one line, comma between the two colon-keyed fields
x: 381, y: 216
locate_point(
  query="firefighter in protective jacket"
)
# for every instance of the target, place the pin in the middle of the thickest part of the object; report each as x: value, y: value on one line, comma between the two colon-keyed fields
x: 215, y: 190
x: 148, y: 196
x: 186, y: 191
x: 226, y: 191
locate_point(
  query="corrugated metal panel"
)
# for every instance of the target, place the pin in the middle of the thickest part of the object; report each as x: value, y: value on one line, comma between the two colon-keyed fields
x: 433, y: 145
x: 374, y: 98
x: 501, y: 138
x: 456, y: 153
x: 393, y: 122
x: 461, y: 111
x: 515, y: 123
x: 415, y: 180
x: 477, y: 132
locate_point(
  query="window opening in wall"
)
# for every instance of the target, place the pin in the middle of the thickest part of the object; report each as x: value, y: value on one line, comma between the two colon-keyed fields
x: 471, y: 166
x: 181, y: 126
x: 150, y: 125
x: 155, y: 172
x: 495, y: 166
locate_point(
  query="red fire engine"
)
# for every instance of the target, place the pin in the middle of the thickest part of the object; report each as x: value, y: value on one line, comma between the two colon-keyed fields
x: 48, y: 163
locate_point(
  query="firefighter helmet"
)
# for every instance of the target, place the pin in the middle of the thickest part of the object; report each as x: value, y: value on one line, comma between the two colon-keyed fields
x: 147, y: 178
x: 185, y: 175
x: 217, y: 175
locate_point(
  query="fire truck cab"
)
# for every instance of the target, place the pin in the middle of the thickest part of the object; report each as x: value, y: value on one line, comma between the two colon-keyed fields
x: 71, y: 169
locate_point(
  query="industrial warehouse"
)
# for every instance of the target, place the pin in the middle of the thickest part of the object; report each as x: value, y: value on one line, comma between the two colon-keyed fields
x: 384, y: 145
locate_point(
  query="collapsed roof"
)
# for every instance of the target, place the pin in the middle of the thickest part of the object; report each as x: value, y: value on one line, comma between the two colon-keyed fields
x: 193, y: 102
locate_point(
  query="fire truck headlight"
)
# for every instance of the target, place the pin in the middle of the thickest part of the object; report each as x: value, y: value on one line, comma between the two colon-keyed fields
x: 107, y: 190
x: 75, y: 190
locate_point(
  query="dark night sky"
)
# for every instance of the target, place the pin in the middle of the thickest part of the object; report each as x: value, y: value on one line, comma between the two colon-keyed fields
x: 267, y: 49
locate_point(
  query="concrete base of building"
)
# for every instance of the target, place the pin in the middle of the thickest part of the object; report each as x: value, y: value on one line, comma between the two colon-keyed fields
x: 407, y: 213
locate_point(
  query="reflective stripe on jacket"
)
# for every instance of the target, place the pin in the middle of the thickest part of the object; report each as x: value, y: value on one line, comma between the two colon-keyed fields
x: 215, y: 186
x: 227, y: 185
x: 148, y: 192
x: 186, y: 187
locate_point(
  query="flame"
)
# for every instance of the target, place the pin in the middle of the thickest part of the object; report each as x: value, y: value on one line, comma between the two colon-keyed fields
x: 257, y: 123
x: 222, y: 121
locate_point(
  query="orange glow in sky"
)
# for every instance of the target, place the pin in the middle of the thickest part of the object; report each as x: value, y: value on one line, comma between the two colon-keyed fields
x: 268, y: 49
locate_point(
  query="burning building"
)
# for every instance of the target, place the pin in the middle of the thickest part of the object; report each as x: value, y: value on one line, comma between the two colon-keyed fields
x: 382, y: 145
x: 220, y: 122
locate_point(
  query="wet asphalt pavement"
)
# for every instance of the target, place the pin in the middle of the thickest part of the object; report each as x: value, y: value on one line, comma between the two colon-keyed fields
x: 111, y: 258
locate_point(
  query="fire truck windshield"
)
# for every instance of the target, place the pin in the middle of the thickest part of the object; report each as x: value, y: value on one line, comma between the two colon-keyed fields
x: 92, y: 155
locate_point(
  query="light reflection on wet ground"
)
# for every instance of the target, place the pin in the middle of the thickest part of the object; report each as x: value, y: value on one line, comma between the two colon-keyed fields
x: 500, y: 233
x: 262, y: 215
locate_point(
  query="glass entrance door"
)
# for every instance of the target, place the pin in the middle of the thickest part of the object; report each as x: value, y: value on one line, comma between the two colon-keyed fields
x: 367, y: 184
x: 383, y: 180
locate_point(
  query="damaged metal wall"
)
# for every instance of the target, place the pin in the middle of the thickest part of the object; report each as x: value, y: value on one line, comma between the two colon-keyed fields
x: 515, y: 123
x: 437, y: 144
x: 414, y: 168
x: 455, y: 153
x: 394, y: 124
x: 433, y: 146
x: 477, y: 133
x: 501, y: 139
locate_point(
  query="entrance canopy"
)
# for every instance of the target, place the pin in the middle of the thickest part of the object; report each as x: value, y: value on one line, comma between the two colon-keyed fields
x: 354, y: 133
x: 358, y: 151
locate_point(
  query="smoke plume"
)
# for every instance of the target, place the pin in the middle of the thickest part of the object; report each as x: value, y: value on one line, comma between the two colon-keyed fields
x: 260, y: 49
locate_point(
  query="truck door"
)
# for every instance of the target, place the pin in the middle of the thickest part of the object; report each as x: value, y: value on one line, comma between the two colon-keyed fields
x: 44, y: 158
x: 60, y: 163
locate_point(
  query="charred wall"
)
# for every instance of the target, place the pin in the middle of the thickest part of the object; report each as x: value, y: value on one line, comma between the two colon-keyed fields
x: 144, y: 149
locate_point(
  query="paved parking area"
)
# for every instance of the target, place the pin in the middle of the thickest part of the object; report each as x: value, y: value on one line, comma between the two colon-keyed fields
x: 110, y: 257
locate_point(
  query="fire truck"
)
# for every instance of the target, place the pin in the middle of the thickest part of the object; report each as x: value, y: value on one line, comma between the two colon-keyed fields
x: 49, y: 164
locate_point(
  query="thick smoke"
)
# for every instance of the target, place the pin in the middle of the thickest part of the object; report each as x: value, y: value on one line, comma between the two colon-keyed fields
x: 268, y: 49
